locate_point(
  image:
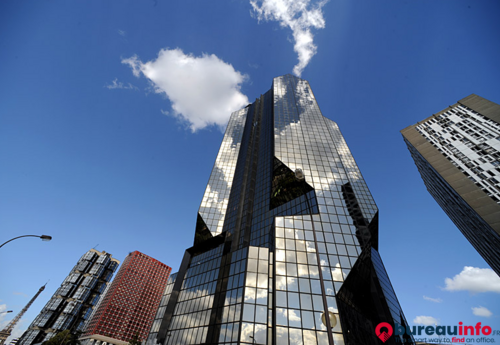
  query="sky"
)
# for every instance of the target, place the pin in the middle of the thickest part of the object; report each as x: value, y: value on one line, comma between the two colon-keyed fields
x: 112, y: 113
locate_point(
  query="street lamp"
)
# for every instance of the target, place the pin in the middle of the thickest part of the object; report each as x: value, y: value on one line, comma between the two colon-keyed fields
x: 43, y: 237
x: 331, y: 320
x: 299, y: 175
x: 5, y: 312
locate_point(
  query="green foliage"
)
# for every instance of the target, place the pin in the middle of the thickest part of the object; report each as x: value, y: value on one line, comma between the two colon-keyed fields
x: 64, y: 338
x: 135, y: 340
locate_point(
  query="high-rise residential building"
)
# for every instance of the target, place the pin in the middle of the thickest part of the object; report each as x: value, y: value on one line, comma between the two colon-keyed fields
x: 72, y: 303
x: 286, y: 241
x: 457, y: 152
x: 14, y: 341
x: 127, y: 310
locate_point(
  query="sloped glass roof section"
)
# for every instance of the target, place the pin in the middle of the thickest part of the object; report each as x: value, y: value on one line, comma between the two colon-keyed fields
x: 285, y: 185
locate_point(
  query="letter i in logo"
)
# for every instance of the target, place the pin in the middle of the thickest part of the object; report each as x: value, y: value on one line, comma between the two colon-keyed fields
x: 384, y: 336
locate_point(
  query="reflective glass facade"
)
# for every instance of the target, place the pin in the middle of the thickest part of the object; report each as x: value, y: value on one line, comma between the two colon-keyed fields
x: 73, y: 303
x: 457, y: 152
x: 286, y: 232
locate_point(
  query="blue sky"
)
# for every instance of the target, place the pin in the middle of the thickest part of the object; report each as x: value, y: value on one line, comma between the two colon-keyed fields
x: 94, y: 155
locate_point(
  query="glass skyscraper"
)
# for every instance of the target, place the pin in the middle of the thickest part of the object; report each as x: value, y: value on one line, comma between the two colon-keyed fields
x: 457, y: 152
x: 286, y: 242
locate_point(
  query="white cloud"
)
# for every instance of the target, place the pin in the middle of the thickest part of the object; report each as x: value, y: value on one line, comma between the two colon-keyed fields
x: 435, y: 300
x: 425, y: 320
x: 474, y: 279
x: 122, y: 33
x: 17, y: 331
x: 20, y: 293
x: 481, y: 311
x: 119, y: 85
x: 298, y: 15
x: 292, y: 315
x: 5, y: 318
x: 203, y: 90
x: 3, y: 308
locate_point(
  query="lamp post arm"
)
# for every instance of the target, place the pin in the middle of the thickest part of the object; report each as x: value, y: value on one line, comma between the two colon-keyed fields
x: 15, y: 238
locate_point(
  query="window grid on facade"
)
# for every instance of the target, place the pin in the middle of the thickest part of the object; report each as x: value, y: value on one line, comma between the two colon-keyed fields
x: 283, y: 256
x: 457, y: 152
x: 74, y: 300
x: 131, y: 302
x: 471, y: 142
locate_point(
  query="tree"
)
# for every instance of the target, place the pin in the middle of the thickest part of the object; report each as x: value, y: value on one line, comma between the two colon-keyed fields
x: 135, y: 340
x: 65, y: 337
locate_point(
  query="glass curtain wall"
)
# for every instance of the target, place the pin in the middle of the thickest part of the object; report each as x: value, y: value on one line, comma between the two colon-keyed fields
x: 286, y: 221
